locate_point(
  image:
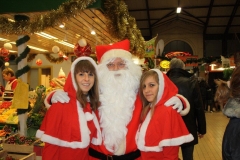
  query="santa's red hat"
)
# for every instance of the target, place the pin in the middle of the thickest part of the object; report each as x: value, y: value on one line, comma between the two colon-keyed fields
x: 119, y: 49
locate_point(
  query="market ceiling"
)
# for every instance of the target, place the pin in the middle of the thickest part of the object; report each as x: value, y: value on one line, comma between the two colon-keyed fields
x: 220, y: 17
x: 78, y: 18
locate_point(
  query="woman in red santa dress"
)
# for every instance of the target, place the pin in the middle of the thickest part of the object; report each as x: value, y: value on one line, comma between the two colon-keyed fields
x: 162, y: 130
x: 69, y: 128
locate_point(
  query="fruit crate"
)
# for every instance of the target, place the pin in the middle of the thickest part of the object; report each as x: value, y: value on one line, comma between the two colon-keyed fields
x: 15, y: 147
x: 4, y: 155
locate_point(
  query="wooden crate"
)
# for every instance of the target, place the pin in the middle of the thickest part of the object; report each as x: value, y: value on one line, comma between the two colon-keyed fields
x: 27, y: 156
x: 18, y: 148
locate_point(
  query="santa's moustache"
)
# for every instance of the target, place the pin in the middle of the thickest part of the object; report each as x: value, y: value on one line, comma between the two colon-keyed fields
x: 118, y: 94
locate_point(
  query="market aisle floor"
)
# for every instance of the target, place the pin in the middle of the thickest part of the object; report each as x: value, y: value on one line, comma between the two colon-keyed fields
x: 210, y: 147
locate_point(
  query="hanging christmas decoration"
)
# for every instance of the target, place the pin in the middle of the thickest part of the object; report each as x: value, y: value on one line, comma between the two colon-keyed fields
x: 31, y: 57
x: 52, y: 59
x: 6, y: 64
x: 4, y: 52
x: 120, y: 24
x: 82, y: 51
x: 7, y: 46
x: 6, y: 59
x: 39, y: 62
x: 55, y: 49
x: 60, y: 54
x: 65, y: 57
x: 82, y: 42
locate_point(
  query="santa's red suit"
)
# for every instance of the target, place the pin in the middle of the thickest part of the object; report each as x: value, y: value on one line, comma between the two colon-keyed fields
x: 118, y: 140
x: 132, y: 130
x: 67, y: 128
x: 163, y: 131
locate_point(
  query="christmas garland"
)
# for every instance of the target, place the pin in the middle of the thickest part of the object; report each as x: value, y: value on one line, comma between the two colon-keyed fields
x: 52, y: 59
x: 41, y: 22
x: 120, y: 24
x: 31, y: 57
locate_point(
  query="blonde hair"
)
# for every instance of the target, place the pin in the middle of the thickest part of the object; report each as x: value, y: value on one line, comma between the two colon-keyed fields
x: 222, y: 93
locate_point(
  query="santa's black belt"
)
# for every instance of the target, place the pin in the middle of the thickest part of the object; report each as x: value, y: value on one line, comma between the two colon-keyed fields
x: 101, y: 156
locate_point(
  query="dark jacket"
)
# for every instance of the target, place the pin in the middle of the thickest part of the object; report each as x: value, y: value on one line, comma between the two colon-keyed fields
x: 188, y: 87
x: 231, y: 138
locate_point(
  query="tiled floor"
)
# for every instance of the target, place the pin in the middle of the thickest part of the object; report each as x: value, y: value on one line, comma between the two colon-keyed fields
x: 210, y: 146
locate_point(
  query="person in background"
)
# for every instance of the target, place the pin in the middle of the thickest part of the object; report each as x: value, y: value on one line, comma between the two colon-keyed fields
x: 203, y: 89
x: 195, y: 120
x: 9, y: 77
x: 120, y: 109
x: 231, y: 138
x: 162, y: 129
x: 210, y: 100
x: 222, y: 95
x: 69, y: 128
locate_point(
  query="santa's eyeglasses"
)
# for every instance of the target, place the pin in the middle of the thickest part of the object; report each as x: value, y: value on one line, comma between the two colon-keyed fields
x: 118, y: 65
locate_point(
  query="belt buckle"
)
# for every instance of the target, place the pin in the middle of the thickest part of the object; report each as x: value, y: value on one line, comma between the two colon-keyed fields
x: 109, y: 157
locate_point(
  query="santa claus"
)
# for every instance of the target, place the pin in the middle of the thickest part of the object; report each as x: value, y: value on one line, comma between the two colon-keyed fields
x: 120, y: 109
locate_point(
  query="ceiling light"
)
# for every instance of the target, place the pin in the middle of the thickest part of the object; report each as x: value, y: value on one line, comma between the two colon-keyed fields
x: 10, y: 20
x: 61, y: 25
x: 32, y: 47
x: 179, y: 10
x: 48, y: 36
x: 65, y: 43
x: 93, y: 32
x: 12, y: 51
x: 3, y: 39
x: 38, y: 49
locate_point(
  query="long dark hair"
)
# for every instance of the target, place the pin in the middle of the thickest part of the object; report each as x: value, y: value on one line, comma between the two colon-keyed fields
x: 87, y: 66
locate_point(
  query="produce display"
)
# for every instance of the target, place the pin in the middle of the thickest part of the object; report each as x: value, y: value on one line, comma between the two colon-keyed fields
x: 20, y: 140
x: 38, y: 111
x: 8, y: 115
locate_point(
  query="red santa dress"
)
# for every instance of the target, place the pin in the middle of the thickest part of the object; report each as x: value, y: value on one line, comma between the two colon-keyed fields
x: 68, y: 129
x: 160, y: 134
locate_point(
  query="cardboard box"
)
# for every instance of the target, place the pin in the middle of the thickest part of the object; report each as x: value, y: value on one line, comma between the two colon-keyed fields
x: 27, y: 156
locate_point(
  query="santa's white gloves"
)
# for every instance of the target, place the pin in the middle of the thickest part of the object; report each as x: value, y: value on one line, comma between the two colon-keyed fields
x: 175, y: 102
x: 60, y: 96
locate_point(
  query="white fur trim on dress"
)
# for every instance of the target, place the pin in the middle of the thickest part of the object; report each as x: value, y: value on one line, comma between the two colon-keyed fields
x: 114, y: 53
x: 47, y: 104
x: 89, y: 116
x: 161, y: 84
x: 98, y: 140
x: 140, y: 138
x: 84, y: 131
x: 185, y: 111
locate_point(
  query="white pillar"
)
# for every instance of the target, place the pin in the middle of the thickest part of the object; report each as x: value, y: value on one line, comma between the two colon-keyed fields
x: 22, y: 118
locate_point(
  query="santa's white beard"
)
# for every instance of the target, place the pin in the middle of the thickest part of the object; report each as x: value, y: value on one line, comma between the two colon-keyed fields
x: 118, y: 95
